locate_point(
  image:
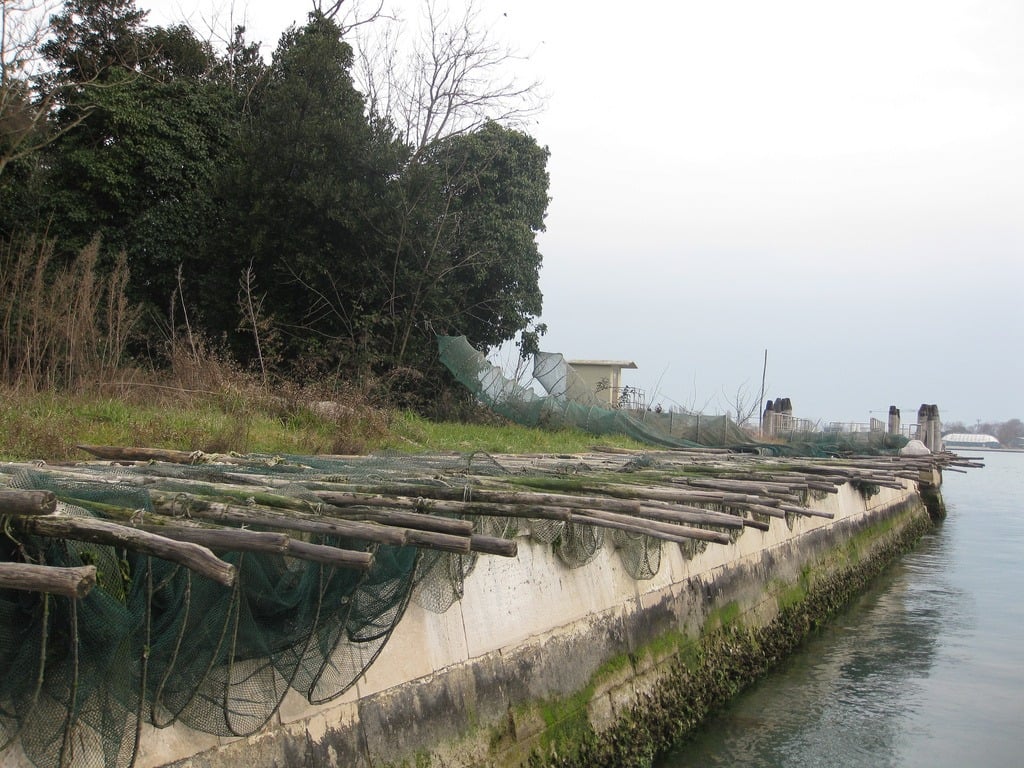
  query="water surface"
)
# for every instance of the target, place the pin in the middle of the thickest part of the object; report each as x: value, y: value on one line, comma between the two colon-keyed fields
x: 927, y: 669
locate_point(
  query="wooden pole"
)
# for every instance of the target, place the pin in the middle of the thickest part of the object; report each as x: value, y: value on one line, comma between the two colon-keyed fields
x: 122, y: 453
x: 321, y: 553
x: 760, y: 399
x: 69, y: 582
x: 493, y: 545
x: 224, y: 539
x: 192, y: 556
x: 17, y: 502
x: 176, y: 505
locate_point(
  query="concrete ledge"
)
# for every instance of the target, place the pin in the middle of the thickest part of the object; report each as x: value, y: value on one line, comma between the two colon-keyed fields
x: 537, y: 657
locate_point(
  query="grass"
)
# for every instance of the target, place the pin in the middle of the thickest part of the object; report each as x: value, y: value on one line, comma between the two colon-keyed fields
x: 65, y: 380
x: 49, y: 426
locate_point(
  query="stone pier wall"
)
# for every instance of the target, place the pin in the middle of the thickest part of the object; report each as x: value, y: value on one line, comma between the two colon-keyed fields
x: 539, y: 658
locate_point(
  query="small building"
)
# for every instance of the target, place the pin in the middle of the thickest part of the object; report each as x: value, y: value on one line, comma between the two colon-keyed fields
x: 969, y: 440
x: 604, y: 378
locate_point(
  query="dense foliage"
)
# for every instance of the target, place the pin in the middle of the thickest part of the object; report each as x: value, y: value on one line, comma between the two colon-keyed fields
x: 263, y: 206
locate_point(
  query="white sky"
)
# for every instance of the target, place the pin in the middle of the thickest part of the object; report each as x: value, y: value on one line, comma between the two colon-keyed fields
x: 840, y: 184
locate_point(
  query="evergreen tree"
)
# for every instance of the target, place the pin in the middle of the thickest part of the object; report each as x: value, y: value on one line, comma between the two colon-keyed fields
x: 302, y: 201
x: 153, y: 130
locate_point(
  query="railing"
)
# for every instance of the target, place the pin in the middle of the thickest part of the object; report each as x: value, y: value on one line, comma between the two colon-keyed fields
x: 875, y: 425
x: 785, y: 423
x: 625, y: 398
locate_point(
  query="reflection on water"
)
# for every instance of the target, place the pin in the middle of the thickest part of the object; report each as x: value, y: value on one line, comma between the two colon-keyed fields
x: 927, y: 669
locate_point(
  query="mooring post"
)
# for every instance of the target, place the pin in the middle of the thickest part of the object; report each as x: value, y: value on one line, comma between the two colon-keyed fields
x: 934, y: 428
x: 923, y: 433
x: 894, y: 420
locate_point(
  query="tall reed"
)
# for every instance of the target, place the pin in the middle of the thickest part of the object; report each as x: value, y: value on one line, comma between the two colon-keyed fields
x: 62, y: 326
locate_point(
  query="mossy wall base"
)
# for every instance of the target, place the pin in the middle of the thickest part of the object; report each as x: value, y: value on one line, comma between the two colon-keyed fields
x: 542, y: 665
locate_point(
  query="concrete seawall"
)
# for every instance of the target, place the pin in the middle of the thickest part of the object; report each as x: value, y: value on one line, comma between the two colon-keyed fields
x: 538, y: 658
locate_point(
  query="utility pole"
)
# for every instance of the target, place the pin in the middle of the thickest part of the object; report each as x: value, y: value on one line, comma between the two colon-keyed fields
x: 760, y: 399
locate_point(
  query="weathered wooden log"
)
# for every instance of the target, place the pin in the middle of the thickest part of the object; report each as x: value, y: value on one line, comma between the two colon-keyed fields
x: 652, y: 528
x: 125, y: 453
x: 792, y: 508
x: 782, y: 481
x: 550, y: 511
x: 681, y: 495
x: 175, y: 505
x: 493, y: 545
x: 649, y: 528
x: 762, y: 509
x: 491, y: 501
x: 689, y: 515
x: 264, y: 542
x: 758, y: 524
x: 69, y: 582
x: 759, y: 489
x: 18, y: 502
x: 735, y: 501
x: 560, y: 504
x: 826, y: 487
x: 259, y: 491
x: 379, y: 513
x: 321, y: 553
x: 459, y: 545
x: 643, y: 502
x: 224, y: 539
x: 325, y: 525
x: 192, y: 556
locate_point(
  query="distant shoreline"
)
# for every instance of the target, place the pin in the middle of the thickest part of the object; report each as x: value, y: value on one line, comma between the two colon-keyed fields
x: 986, y: 450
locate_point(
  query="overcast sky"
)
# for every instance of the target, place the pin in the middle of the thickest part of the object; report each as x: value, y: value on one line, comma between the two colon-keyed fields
x: 839, y: 184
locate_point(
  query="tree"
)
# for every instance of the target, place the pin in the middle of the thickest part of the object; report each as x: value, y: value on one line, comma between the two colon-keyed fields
x: 743, y: 405
x: 453, y: 79
x: 301, y: 204
x: 153, y: 126
x: 25, y: 124
x: 22, y: 30
x: 457, y: 259
x: 1009, y: 431
x: 498, y: 180
x: 460, y: 248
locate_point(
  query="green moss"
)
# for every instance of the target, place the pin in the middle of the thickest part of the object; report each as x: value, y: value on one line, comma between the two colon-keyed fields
x: 669, y: 644
x: 791, y: 595
x: 725, y: 616
x: 566, y: 720
x: 420, y: 760
x: 706, y: 674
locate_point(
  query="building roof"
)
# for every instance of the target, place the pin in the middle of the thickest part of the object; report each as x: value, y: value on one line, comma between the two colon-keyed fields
x: 627, y: 364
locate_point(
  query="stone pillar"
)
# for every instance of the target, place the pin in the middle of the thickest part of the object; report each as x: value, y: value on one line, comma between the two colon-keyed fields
x: 768, y: 420
x: 894, y: 420
x: 934, y: 428
x: 923, y: 433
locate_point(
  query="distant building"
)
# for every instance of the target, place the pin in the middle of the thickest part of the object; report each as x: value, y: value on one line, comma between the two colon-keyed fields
x: 968, y: 440
x: 604, y: 377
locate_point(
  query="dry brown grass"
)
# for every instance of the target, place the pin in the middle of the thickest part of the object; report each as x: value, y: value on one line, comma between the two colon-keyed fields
x: 63, y: 325
x: 65, y: 377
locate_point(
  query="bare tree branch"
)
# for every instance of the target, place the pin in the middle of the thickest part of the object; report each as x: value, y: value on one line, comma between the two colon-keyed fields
x: 743, y: 405
x: 452, y: 79
x: 23, y: 27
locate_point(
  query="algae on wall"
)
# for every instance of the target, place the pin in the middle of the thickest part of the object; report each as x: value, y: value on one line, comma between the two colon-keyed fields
x: 702, y: 674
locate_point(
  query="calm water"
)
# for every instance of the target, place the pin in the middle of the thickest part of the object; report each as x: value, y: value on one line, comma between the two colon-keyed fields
x: 926, y: 670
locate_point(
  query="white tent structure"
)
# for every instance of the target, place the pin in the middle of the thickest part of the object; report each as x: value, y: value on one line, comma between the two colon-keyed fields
x: 969, y: 440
